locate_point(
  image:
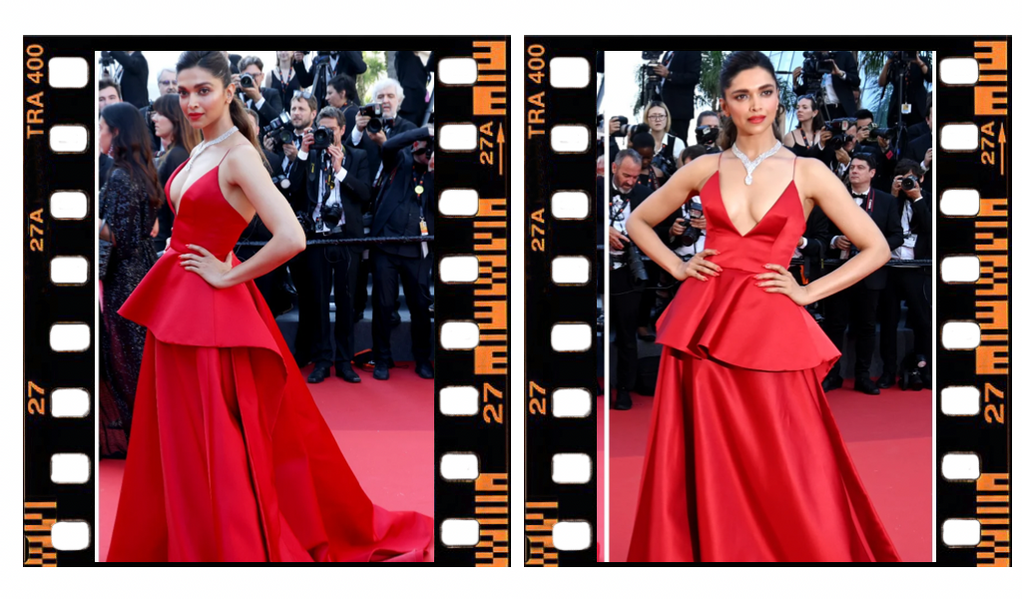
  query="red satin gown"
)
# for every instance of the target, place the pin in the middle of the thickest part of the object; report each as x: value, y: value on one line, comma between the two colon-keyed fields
x: 744, y: 461
x: 230, y: 459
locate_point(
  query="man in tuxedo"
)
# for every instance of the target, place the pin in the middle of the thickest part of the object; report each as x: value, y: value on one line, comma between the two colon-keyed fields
x: 337, y: 188
x: 679, y: 71
x: 132, y: 73
x: 266, y: 101
x: 406, y: 208
x: 920, y: 150
x: 389, y: 94
x: 913, y: 75
x: 857, y: 306
x: 837, y: 86
x: 349, y: 63
x: 413, y: 74
x: 624, y: 291
x: 880, y: 148
x: 912, y: 283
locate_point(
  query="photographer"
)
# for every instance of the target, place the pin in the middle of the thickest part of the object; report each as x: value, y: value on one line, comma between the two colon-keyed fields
x: 836, y: 144
x: 249, y: 81
x: 131, y: 73
x: 337, y: 188
x: 627, y: 274
x: 378, y: 121
x: 877, y: 142
x: 414, y: 70
x: 920, y: 148
x: 330, y: 64
x: 680, y: 72
x: 342, y: 94
x: 831, y: 76
x: 907, y: 72
x: 857, y: 306
x: 652, y: 172
x: 912, y: 283
x: 687, y: 234
x: 708, y: 129
x: 666, y: 145
x: 406, y: 208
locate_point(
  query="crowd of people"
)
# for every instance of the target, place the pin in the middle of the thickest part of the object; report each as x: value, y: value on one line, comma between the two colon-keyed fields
x: 351, y: 170
x: 886, y: 169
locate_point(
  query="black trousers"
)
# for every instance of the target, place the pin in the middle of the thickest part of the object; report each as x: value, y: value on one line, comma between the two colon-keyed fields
x: 298, y: 266
x: 414, y: 274
x: 333, y: 267
x: 680, y: 128
x: 905, y: 284
x: 649, y: 296
x: 362, y: 294
x: 856, y: 307
x: 835, y: 111
x: 623, y: 305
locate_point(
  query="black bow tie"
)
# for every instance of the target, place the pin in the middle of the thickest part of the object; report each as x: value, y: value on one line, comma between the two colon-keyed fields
x: 861, y: 195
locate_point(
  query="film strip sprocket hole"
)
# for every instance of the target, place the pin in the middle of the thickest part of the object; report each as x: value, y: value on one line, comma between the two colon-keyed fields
x: 472, y: 311
x: 561, y: 312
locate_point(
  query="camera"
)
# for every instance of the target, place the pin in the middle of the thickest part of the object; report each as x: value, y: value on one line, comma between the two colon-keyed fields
x: 691, y: 234
x: 707, y: 135
x: 281, y: 181
x: 649, y: 56
x: 281, y: 129
x: 908, y: 182
x: 427, y: 149
x: 106, y: 59
x: 623, y: 126
x: 247, y: 80
x: 665, y: 165
x: 838, y: 127
x: 886, y: 132
x: 636, y: 265
x: 817, y: 64
x: 331, y: 215
x: 322, y: 138
x: 376, y: 113
x: 903, y: 56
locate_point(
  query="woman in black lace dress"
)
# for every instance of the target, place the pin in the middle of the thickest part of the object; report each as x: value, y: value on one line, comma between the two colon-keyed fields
x: 129, y: 202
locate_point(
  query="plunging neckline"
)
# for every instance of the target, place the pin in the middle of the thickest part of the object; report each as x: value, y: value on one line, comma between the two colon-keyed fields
x: 184, y: 192
x: 728, y: 218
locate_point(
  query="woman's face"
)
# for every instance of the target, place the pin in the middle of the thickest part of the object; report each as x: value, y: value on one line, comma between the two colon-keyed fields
x: 804, y: 112
x: 752, y: 101
x: 657, y: 118
x: 163, y: 126
x: 106, y: 136
x: 284, y: 56
x: 203, y: 97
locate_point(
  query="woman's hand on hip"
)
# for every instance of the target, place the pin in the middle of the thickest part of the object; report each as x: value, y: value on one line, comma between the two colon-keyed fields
x: 206, y: 265
x: 780, y: 280
x: 698, y: 266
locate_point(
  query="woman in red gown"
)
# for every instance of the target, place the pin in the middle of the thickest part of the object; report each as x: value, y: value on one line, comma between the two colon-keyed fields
x: 744, y: 461
x: 229, y: 459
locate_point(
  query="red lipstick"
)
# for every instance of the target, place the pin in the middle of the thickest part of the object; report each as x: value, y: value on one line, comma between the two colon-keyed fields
x: 756, y: 119
x: 195, y: 116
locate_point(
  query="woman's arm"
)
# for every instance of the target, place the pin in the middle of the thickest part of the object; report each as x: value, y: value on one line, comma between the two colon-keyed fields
x: 831, y: 195
x: 666, y: 201
x: 246, y: 170
x: 790, y: 140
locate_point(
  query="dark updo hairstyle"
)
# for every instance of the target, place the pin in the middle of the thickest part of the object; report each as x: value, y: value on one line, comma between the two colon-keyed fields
x: 169, y: 107
x: 131, y: 148
x: 734, y: 64
x: 218, y: 66
x: 818, y: 123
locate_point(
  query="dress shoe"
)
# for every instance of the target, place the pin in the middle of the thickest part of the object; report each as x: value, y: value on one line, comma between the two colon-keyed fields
x: 319, y: 374
x: 622, y: 400
x: 346, y: 372
x: 380, y: 371
x: 424, y: 370
x: 832, y: 381
x: 886, y: 380
x: 864, y: 384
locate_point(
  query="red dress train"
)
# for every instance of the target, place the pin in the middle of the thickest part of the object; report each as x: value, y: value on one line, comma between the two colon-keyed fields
x: 744, y: 461
x: 229, y: 458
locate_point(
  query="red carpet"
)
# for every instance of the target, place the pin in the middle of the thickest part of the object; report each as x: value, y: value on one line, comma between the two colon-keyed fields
x: 889, y: 437
x: 384, y: 428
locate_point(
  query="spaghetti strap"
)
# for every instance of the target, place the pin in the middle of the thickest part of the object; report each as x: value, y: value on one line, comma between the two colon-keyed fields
x: 228, y: 152
x: 720, y: 160
x: 795, y: 158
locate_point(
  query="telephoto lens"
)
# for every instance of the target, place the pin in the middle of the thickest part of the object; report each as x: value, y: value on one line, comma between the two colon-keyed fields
x: 636, y: 265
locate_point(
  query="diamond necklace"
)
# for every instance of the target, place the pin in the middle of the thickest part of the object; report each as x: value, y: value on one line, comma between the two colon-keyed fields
x: 750, y: 166
x: 204, y: 145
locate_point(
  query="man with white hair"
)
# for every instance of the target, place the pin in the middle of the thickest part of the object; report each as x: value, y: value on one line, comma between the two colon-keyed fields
x: 389, y: 94
x: 167, y: 81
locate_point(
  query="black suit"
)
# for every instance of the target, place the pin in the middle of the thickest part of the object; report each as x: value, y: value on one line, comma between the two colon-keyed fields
x: 334, y: 266
x: 270, y: 110
x: 374, y: 153
x: 914, y: 92
x: 134, y: 77
x: 677, y: 88
x: 916, y: 151
x: 843, y: 88
x: 918, y: 129
x: 398, y: 213
x: 818, y: 239
x: 624, y: 292
x: 349, y: 63
x: 912, y: 284
x: 857, y: 305
x: 413, y: 75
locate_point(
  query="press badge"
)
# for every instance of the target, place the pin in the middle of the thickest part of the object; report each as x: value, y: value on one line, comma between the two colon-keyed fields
x: 423, y: 231
x: 905, y: 108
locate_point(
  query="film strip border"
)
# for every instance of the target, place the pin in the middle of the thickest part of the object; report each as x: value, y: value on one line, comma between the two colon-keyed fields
x: 471, y: 510
x: 973, y: 510
x: 58, y: 184
x: 561, y: 380
x: 60, y: 414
